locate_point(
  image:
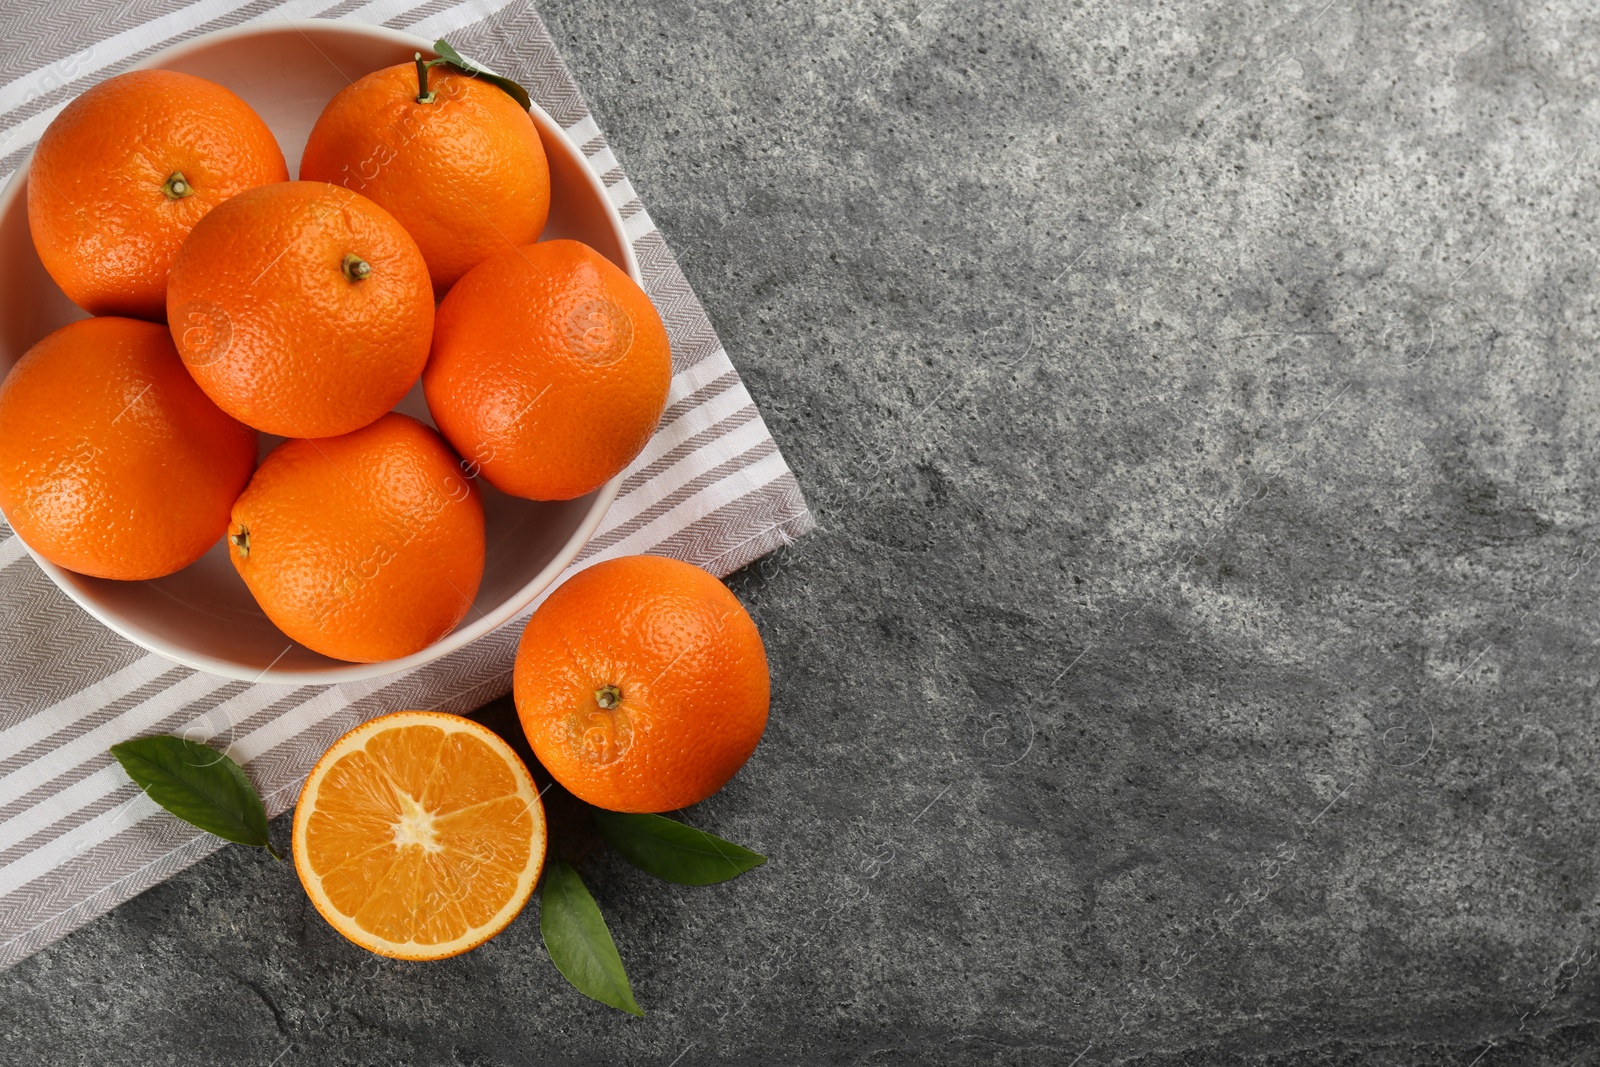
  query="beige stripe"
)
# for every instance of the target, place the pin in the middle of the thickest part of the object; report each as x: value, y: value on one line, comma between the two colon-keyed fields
x: 694, y: 463
x: 690, y: 488
x: 49, y: 721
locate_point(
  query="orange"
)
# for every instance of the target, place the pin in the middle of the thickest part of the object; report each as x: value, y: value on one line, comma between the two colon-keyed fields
x: 419, y: 835
x: 124, y: 173
x: 549, y: 370
x: 112, y: 461
x: 464, y: 171
x: 642, y: 684
x: 301, y: 308
x: 364, y: 547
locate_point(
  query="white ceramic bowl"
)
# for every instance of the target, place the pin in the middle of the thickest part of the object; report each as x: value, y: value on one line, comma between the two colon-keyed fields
x: 203, y: 616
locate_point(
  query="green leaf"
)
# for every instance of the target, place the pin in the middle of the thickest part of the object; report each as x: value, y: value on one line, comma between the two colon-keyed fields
x: 576, y: 937
x: 199, y: 785
x: 672, y: 851
x: 467, y: 66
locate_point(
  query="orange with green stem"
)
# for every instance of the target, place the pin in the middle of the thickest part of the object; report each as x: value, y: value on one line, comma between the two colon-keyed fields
x: 449, y: 153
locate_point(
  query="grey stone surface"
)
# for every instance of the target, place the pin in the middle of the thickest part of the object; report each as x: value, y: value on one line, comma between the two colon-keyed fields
x: 1197, y: 663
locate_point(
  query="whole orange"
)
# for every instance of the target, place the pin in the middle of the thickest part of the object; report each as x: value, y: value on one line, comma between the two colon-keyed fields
x: 124, y: 173
x: 113, y: 463
x: 364, y: 547
x: 301, y: 308
x: 462, y: 169
x: 549, y: 370
x: 642, y: 684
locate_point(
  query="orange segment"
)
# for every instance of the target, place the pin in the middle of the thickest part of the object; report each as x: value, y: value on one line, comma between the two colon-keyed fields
x: 419, y: 835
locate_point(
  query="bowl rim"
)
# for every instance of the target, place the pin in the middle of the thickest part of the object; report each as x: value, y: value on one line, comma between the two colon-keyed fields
x: 463, y: 634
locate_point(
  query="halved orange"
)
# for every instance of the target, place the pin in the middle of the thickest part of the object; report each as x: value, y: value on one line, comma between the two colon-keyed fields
x: 419, y: 835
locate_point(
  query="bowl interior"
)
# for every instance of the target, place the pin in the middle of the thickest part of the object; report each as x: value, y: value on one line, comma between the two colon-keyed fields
x: 204, y: 616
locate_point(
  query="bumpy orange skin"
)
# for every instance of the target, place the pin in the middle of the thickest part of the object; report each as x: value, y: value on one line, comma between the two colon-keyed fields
x: 364, y: 547
x: 275, y: 331
x: 466, y: 174
x: 549, y: 371
x: 690, y: 669
x: 113, y: 463
x: 102, y: 225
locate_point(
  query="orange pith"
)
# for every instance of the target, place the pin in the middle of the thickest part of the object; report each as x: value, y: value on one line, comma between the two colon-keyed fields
x: 419, y: 835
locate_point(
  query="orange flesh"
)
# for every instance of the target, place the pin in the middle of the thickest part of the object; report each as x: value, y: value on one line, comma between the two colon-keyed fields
x: 419, y: 835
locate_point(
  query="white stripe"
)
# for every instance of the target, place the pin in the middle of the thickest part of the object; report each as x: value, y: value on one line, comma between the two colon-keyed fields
x: 129, y: 723
x: 638, y: 225
x: 683, y: 471
x: 622, y: 194
x: 41, y: 724
x: 583, y: 131
x: 603, y: 162
x: 11, y: 550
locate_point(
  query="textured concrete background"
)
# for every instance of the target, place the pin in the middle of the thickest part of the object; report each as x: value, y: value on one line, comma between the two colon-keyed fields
x: 1197, y: 663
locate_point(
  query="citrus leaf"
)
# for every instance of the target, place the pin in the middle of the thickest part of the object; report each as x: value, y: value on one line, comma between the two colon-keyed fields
x: 576, y: 937
x: 467, y: 66
x: 199, y: 785
x: 672, y: 851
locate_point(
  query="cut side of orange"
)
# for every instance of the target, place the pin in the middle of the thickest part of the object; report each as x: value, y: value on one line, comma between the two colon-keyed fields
x: 419, y: 835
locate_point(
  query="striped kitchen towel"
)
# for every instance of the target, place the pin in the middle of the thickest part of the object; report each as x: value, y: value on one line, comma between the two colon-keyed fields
x: 76, y: 837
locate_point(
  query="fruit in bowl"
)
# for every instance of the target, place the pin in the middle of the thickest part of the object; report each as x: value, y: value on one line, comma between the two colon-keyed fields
x: 112, y: 461
x: 452, y: 156
x: 124, y: 173
x: 364, y: 547
x: 549, y: 370
x: 305, y: 310
x: 301, y: 308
